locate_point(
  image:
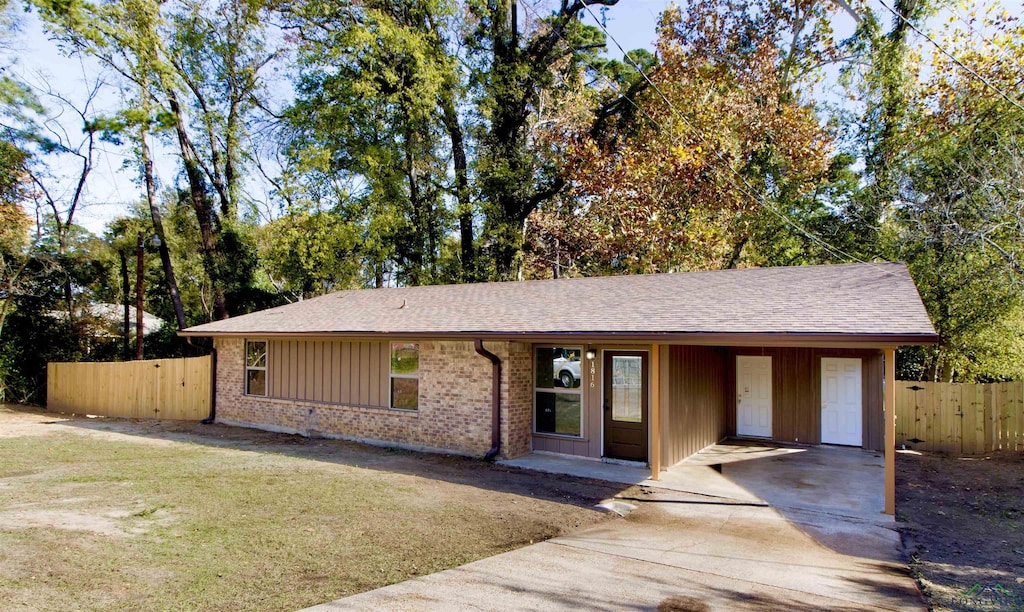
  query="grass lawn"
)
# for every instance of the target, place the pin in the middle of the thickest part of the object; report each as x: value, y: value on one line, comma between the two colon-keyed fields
x: 112, y: 514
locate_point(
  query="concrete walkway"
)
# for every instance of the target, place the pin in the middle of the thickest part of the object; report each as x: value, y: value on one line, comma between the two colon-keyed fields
x: 693, y: 548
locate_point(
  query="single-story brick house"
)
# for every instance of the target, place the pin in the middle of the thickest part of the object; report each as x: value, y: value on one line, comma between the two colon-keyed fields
x: 648, y: 368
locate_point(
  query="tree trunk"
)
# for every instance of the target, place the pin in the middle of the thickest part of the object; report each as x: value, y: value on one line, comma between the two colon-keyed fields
x: 126, y: 320
x: 140, y: 329
x: 201, y: 205
x: 464, y: 205
x: 158, y: 226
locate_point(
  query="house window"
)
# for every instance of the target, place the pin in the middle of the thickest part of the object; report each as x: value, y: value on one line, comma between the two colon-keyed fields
x: 405, y: 375
x: 557, y: 393
x: 255, y: 367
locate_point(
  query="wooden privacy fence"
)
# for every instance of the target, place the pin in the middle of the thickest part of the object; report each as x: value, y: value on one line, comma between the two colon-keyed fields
x: 152, y: 389
x: 960, y: 418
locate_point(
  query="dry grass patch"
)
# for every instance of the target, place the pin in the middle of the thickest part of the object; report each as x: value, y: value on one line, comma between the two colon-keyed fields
x: 109, y: 520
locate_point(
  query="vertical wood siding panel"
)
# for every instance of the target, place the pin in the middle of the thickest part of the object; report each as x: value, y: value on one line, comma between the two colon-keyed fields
x: 385, y: 374
x: 341, y: 368
x: 810, y: 417
x: 329, y: 371
x: 318, y: 371
x: 286, y: 369
x: 356, y: 364
x: 666, y: 414
x: 373, y: 398
x: 281, y: 369
x: 310, y: 369
x: 287, y: 380
x: 319, y: 375
x: 782, y: 408
x: 364, y: 373
x: 338, y: 372
x: 696, y: 402
x: 730, y: 392
x: 345, y: 380
x: 291, y: 369
x: 300, y: 372
x: 313, y: 359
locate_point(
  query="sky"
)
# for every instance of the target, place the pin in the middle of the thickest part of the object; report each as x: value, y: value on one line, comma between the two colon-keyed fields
x: 113, y: 188
x: 39, y: 63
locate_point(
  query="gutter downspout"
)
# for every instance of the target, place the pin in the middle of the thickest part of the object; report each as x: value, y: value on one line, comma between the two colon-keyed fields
x: 478, y: 344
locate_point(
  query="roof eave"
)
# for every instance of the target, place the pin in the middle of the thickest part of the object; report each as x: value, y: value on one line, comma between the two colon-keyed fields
x: 703, y: 338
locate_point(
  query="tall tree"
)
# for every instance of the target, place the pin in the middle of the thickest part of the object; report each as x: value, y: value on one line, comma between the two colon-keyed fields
x: 958, y: 210
x: 200, y: 65
x: 883, y: 80
x: 513, y: 67
x: 725, y: 160
x: 372, y: 78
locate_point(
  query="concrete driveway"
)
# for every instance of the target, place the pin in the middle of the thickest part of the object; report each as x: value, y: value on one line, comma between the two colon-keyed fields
x: 744, y: 528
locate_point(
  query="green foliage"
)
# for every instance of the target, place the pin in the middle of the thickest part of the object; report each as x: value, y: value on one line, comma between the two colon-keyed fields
x: 311, y: 253
x: 405, y: 359
x: 365, y: 140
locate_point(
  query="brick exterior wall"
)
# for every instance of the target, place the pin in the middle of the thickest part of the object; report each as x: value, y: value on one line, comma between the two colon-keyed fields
x: 516, y: 399
x: 454, y: 410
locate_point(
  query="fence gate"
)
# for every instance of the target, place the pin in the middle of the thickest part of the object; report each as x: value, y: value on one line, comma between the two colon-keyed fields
x: 960, y: 418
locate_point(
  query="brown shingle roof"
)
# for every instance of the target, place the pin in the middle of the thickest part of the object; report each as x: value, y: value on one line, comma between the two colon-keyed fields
x: 877, y: 300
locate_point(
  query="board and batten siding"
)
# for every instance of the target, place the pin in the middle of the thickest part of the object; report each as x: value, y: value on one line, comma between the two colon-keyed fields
x: 796, y: 392
x: 693, y: 408
x: 349, y: 373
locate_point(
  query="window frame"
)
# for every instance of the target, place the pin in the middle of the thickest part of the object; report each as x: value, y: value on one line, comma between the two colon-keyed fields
x: 577, y: 391
x: 264, y: 368
x: 392, y: 376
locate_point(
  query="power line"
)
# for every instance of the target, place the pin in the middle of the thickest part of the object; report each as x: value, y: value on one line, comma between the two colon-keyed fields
x: 747, y: 187
x: 956, y: 61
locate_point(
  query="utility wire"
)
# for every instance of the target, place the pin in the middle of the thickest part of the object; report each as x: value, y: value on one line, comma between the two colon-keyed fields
x: 747, y: 187
x: 952, y: 57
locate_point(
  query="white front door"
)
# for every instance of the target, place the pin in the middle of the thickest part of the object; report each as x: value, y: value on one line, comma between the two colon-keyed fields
x: 842, y: 413
x: 754, y: 396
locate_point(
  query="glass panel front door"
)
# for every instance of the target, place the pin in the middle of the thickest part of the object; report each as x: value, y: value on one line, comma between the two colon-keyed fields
x: 625, y: 404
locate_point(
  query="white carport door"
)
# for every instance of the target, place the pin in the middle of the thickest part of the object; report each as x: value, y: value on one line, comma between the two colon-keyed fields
x: 754, y: 396
x: 842, y: 413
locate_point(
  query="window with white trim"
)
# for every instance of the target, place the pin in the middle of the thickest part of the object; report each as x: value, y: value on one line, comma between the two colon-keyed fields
x: 405, y: 375
x: 557, y: 395
x: 255, y: 367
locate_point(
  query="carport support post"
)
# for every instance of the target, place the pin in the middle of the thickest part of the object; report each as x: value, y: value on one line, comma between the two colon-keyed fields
x: 655, y: 410
x: 890, y: 431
